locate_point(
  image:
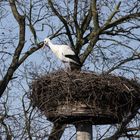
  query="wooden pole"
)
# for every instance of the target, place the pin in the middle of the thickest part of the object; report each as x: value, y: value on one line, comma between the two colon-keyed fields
x: 83, y: 131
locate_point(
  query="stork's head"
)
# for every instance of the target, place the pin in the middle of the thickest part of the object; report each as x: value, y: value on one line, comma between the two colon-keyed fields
x: 46, y: 40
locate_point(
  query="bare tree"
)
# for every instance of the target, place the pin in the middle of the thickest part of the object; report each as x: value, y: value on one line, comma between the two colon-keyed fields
x: 105, y: 35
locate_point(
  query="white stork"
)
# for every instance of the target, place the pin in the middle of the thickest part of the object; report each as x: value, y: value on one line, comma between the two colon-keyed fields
x: 63, y: 52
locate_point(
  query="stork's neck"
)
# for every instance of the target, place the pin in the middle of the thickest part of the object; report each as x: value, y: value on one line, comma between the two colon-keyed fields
x: 52, y: 46
x: 50, y: 43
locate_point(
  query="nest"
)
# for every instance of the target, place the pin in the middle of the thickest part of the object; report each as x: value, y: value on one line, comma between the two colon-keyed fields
x: 76, y: 96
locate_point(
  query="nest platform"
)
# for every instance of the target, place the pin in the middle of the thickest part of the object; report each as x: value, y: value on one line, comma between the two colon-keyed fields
x: 84, y: 96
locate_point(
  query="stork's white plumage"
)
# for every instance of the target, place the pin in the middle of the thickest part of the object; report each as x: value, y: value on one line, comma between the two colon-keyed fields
x: 63, y: 52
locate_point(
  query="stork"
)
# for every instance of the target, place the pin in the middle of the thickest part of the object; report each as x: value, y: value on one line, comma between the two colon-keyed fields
x: 63, y: 52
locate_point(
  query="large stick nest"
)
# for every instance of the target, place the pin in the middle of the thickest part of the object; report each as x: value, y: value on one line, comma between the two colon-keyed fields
x: 85, y: 94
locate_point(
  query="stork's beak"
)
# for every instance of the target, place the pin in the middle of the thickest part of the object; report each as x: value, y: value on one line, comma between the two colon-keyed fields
x: 42, y: 44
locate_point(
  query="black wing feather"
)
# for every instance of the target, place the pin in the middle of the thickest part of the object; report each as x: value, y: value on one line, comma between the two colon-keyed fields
x: 75, y: 58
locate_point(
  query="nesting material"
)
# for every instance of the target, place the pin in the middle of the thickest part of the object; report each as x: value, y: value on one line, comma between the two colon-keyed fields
x: 76, y: 96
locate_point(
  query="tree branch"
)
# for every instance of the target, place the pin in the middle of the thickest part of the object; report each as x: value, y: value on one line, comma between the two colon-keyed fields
x: 15, y: 12
x: 94, y: 35
x: 121, y: 20
x: 125, y: 121
x: 133, y: 129
x: 28, y: 53
x: 75, y: 15
x: 32, y: 29
x: 86, y: 21
x: 95, y: 15
x: 116, y: 10
x: 89, y: 48
x: 14, y: 64
x: 62, y: 20
x: 21, y: 21
x: 57, y: 131
x: 122, y: 62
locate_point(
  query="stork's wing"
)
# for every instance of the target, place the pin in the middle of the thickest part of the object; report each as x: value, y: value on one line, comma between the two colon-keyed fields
x: 75, y: 58
x: 69, y: 53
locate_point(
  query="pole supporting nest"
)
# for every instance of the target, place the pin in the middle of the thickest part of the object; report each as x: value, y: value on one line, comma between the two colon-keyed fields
x: 83, y: 131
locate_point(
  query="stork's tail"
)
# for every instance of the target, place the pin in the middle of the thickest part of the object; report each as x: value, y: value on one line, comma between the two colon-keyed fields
x: 75, y: 59
x: 75, y: 63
